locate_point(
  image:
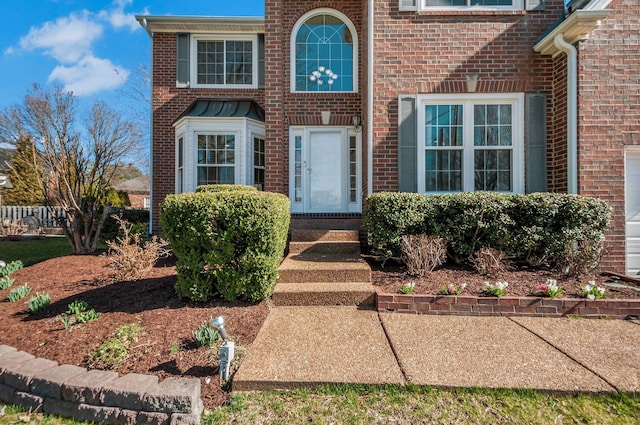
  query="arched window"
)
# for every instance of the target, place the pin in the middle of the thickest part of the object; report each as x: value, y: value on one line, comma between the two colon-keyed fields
x: 324, y: 53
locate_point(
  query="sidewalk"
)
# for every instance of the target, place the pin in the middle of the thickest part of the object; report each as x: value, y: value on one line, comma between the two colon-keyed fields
x: 305, y: 346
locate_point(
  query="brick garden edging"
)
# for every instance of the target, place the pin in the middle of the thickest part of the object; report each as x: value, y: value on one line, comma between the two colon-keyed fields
x: 42, y: 385
x: 507, y: 306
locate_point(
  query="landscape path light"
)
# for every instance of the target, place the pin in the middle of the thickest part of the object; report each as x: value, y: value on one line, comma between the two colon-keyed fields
x: 227, y: 349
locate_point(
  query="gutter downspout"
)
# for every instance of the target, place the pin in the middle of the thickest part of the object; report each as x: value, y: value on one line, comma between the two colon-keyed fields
x: 572, y: 111
x: 370, y: 99
x: 145, y: 25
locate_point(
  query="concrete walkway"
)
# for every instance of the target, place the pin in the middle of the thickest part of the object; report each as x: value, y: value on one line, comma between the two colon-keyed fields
x: 306, y: 346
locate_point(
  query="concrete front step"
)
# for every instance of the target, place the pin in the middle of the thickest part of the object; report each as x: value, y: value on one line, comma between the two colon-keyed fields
x: 327, y: 293
x: 315, y: 235
x: 323, y: 268
x: 339, y: 247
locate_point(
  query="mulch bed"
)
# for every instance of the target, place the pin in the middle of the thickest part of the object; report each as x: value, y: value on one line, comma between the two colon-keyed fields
x: 168, y: 321
x: 523, y: 281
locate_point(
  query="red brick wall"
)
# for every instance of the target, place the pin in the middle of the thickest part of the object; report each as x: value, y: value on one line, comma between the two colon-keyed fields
x: 168, y: 103
x: 432, y: 52
x: 609, y: 113
x: 283, y: 108
x: 557, y: 120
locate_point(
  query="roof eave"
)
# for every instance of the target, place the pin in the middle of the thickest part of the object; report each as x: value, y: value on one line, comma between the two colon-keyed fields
x: 575, y: 28
x: 173, y: 24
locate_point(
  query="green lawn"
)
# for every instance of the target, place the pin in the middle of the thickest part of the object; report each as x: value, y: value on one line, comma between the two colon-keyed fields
x: 35, y: 250
x: 362, y: 404
x: 349, y: 404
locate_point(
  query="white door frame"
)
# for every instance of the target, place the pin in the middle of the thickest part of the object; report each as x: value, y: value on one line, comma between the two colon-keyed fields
x: 299, y: 177
x: 631, y: 268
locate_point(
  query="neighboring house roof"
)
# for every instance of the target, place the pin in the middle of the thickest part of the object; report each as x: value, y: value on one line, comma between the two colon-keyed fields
x: 136, y: 185
x: 224, y: 108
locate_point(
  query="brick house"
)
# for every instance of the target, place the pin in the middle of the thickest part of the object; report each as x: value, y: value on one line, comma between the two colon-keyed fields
x: 330, y: 101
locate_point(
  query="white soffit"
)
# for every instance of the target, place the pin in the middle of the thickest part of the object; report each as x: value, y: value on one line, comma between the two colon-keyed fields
x: 575, y: 28
x: 201, y: 24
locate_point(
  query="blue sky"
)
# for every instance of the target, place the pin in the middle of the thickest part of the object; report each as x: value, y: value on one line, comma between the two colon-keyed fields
x: 93, y: 48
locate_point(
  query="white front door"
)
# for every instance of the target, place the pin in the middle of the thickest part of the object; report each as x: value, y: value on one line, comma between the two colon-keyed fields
x: 324, y: 170
x: 632, y: 210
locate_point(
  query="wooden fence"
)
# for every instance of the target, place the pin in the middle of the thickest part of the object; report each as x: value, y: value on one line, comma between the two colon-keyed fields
x: 15, y: 214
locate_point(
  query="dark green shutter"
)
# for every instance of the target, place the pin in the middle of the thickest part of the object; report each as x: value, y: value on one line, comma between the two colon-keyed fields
x: 407, y: 145
x: 536, y: 142
x: 182, y: 62
x: 260, y: 60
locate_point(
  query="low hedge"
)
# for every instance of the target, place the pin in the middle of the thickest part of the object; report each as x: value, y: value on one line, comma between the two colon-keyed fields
x: 536, y: 228
x: 226, y: 242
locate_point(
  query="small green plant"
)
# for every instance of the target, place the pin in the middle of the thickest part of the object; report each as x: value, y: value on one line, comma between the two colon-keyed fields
x: 407, y: 288
x: 592, y: 291
x: 129, y: 333
x: 77, y: 307
x: 66, y: 320
x: 551, y: 289
x: 113, y: 351
x: 9, y: 269
x: 39, y: 303
x: 175, y: 348
x: 108, y: 355
x: 87, y: 316
x: 452, y: 289
x: 497, y: 290
x: 6, y: 282
x: 205, y: 335
x: 19, y: 292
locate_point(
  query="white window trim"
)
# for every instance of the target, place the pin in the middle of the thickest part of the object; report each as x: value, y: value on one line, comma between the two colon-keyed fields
x: 292, y: 49
x: 516, y: 5
x: 193, y: 65
x: 514, y: 99
x: 179, y: 185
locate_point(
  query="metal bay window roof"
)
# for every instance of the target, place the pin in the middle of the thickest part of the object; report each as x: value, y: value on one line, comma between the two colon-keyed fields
x: 224, y: 108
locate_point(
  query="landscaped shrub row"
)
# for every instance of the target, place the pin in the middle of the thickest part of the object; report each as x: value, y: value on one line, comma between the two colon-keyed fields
x: 538, y: 228
x: 226, y: 242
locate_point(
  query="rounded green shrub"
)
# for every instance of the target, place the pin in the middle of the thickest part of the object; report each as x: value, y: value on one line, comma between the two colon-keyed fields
x: 226, y: 242
x: 225, y: 188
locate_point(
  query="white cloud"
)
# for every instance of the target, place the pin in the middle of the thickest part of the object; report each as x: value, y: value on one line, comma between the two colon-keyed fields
x: 90, y: 75
x: 118, y: 18
x: 67, y: 39
x: 70, y: 41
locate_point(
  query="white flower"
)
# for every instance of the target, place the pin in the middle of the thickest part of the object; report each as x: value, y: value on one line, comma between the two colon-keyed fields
x: 591, y: 297
x: 2, y: 263
x: 464, y: 285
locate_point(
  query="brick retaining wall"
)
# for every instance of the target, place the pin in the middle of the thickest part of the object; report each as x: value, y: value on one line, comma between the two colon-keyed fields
x: 42, y: 385
x: 508, y: 306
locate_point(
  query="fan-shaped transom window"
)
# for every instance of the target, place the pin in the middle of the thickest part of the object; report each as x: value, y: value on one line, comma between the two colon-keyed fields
x: 324, y: 53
